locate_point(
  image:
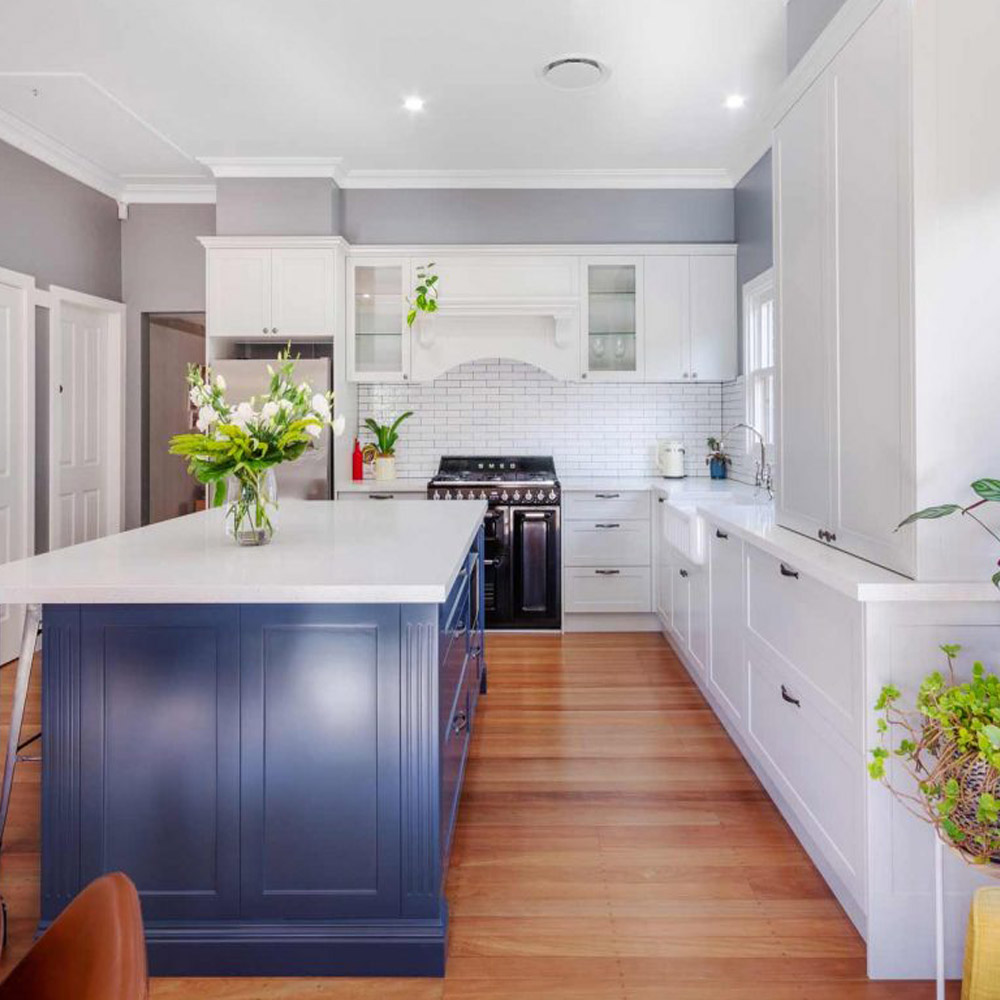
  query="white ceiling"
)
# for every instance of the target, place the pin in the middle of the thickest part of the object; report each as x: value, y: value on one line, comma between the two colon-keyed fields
x: 138, y: 94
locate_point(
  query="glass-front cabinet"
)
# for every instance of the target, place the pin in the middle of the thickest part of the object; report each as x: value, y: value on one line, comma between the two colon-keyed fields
x: 378, y: 339
x: 612, y: 309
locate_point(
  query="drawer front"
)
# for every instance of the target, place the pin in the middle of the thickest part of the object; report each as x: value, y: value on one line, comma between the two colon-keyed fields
x: 815, y: 629
x: 728, y: 663
x: 381, y: 495
x: 819, y: 773
x: 455, y: 644
x: 608, y: 589
x: 606, y: 543
x: 454, y: 749
x: 606, y: 505
x: 452, y: 606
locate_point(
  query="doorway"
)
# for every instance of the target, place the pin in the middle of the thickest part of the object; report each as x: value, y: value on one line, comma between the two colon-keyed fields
x: 170, y: 343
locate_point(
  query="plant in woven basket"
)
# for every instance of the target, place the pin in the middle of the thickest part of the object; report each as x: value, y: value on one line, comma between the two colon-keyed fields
x: 950, y: 748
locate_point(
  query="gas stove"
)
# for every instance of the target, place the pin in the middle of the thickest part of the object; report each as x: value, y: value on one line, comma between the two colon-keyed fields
x: 529, y: 481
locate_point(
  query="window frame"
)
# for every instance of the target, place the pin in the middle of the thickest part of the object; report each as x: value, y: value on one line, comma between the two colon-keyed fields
x: 758, y: 292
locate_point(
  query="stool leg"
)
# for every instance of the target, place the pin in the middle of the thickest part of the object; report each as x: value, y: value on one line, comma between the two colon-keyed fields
x: 29, y: 638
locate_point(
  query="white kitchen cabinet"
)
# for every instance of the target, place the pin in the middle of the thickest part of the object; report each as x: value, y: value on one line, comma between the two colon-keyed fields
x: 378, y: 338
x: 258, y: 291
x: 690, y: 318
x: 699, y: 625
x: 680, y: 618
x: 606, y: 589
x: 612, y: 343
x: 727, y: 672
x: 606, y: 543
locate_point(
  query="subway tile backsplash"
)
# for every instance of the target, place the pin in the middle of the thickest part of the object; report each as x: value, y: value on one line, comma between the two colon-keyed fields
x: 504, y: 407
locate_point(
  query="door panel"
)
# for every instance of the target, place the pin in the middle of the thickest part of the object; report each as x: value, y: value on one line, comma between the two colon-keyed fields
x: 320, y: 709
x: 802, y: 151
x: 302, y: 293
x: 667, y: 300
x: 713, y: 318
x: 535, y: 567
x: 728, y: 668
x: 239, y: 292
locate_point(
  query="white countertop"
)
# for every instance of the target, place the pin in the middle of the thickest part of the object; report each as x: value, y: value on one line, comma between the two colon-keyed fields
x: 323, y: 552
x: 383, y: 486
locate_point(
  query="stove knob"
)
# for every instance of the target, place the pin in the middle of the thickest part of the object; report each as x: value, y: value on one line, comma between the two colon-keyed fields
x: 517, y: 495
x: 437, y: 495
x: 528, y: 496
x: 459, y: 495
x: 552, y: 494
x: 503, y: 496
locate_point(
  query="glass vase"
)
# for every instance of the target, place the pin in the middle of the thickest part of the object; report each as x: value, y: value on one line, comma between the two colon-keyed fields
x: 251, y: 500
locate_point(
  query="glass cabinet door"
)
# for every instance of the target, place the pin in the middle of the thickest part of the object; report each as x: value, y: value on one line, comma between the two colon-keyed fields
x: 379, y: 336
x: 613, y: 306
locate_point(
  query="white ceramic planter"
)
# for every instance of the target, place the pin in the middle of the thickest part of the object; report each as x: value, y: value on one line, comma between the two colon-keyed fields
x: 385, y: 468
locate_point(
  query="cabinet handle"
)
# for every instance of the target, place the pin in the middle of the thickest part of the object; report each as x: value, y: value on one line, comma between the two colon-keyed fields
x: 379, y: 496
x: 787, y: 571
x: 607, y: 572
x: 686, y: 375
x: 684, y: 573
x: 461, y: 723
x: 584, y: 375
x: 661, y: 500
x: 606, y: 496
x: 694, y: 374
x: 405, y: 377
x: 607, y: 525
x: 264, y: 330
x: 789, y: 697
x: 274, y: 329
x: 830, y: 536
x: 533, y: 517
x: 719, y: 533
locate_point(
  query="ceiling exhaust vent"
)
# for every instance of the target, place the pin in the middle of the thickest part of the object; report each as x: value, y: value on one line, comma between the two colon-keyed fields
x: 575, y: 72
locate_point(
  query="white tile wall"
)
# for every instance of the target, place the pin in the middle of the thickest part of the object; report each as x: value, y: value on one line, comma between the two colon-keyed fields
x: 734, y: 411
x: 503, y: 407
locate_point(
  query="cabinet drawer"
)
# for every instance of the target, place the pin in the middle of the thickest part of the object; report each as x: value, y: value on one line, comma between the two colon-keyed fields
x: 607, y: 589
x: 454, y: 643
x: 606, y: 505
x: 820, y: 775
x: 606, y: 543
x: 380, y: 495
x: 814, y: 628
x: 454, y: 749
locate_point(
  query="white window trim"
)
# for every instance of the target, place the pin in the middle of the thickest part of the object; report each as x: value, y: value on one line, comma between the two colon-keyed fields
x: 756, y: 289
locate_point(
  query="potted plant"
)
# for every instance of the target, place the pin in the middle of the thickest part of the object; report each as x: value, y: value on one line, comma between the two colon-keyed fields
x: 237, y: 447
x: 382, y: 454
x: 716, y: 460
x: 424, y: 295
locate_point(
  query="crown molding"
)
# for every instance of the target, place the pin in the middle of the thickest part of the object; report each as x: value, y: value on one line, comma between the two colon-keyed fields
x: 653, y: 178
x: 50, y: 151
x: 168, y: 193
x: 274, y: 166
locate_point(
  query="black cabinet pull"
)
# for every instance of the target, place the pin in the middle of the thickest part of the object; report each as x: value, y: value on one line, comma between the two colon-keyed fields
x: 787, y: 571
x: 719, y: 533
x: 789, y: 697
x: 379, y: 496
x: 607, y: 572
x: 461, y: 722
x: 661, y: 499
x: 684, y: 573
x: 606, y: 496
x: 607, y: 525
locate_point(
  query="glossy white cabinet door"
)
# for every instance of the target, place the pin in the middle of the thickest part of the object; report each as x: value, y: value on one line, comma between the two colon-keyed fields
x: 668, y: 318
x: 728, y: 675
x: 872, y: 475
x: 302, y: 293
x: 801, y: 155
x: 713, y: 319
x: 239, y: 292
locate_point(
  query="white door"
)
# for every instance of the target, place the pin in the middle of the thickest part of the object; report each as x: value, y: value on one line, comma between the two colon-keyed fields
x: 802, y: 221
x: 17, y: 420
x: 302, y: 293
x: 713, y: 318
x: 239, y: 293
x: 85, y: 459
x: 667, y: 282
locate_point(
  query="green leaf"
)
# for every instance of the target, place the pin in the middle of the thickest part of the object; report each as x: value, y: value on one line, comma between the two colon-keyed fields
x: 410, y: 317
x: 930, y: 513
x: 996, y: 579
x: 988, y: 489
x: 431, y: 306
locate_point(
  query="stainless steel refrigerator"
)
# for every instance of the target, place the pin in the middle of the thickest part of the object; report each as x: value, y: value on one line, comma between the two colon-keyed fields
x: 309, y: 477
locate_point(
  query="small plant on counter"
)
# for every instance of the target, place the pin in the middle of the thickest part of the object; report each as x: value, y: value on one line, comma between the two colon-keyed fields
x: 716, y: 460
x: 382, y: 454
x: 424, y: 295
x: 237, y: 447
x: 988, y: 491
x: 949, y: 749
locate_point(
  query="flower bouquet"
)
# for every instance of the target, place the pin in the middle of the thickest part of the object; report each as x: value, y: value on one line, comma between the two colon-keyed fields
x: 237, y: 447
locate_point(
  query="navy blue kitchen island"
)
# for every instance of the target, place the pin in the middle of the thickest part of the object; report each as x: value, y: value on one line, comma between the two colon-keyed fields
x: 280, y: 779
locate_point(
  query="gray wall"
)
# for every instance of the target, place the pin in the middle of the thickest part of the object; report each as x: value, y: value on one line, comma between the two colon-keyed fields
x: 805, y: 21
x: 754, y: 220
x: 537, y: 216
x: 57, y: 229
x: 277, y: 207
x: 163, y: 270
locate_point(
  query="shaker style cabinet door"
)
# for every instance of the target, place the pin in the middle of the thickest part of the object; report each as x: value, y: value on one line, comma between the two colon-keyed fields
x: 239, y: 292
x: 302, y: 293
x: 713, y: 318
x: 668, y: 318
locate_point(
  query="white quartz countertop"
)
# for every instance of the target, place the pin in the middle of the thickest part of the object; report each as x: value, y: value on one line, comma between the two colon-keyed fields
x: 323, y: 552
x: 383, y: 486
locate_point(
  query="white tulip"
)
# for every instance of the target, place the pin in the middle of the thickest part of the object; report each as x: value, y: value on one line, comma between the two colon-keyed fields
x: 339, y: 425
x: 220, y: 383
x: 313, y: 430
x: 270, y: 410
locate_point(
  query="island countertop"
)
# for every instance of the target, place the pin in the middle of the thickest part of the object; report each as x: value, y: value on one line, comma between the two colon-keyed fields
x: 322, y: 553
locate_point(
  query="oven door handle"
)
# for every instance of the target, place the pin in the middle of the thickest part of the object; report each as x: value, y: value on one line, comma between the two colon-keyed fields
x: 533, y: 516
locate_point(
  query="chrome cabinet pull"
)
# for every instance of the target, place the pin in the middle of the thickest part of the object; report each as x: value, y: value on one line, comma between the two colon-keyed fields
x: 719, y: 533
x: 788, y: 571
x: 789, y: 697
x: 607, y: 572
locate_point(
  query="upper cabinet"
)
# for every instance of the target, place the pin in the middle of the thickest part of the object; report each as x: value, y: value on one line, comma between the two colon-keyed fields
x: 378, y: 339
x: 259, y: 291
x: 690, y: 317
x: 612, y: 345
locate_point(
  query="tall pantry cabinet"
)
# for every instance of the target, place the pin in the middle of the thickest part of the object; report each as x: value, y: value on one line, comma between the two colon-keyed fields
x: 877, y: 405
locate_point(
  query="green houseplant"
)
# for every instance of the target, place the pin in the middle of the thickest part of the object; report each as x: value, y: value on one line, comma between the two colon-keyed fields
x: 382, y: 453
x: 425, y: 294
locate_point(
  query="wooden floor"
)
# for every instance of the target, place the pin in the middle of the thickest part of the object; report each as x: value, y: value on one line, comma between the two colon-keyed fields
x: 611, y: 844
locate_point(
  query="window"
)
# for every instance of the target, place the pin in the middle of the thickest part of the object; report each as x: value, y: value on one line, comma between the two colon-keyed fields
x: 758, y: 353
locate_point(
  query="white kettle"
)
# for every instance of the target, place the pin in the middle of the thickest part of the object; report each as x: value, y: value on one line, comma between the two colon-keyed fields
x: 670, y: 459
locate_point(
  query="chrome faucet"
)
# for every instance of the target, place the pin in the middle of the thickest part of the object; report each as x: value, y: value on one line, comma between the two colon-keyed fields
x: 763, y: 477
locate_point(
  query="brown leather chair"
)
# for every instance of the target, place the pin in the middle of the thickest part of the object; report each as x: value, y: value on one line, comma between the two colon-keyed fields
x: 94, y: 950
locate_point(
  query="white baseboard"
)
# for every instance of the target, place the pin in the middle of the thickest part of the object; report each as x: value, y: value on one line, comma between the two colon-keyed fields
x: 610, y: 623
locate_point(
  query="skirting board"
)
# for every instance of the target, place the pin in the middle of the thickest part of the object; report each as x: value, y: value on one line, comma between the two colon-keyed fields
x: 610, y: 623
x: 847, y: 901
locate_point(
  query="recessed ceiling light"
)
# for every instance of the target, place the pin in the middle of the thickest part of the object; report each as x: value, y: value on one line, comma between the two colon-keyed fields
x: 574, y: 72
x: 413, y: 103
x: 735, y: 101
